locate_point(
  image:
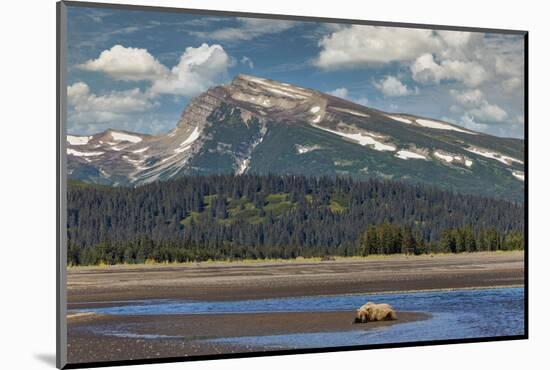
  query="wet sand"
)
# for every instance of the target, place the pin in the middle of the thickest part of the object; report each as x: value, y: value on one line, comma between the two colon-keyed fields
x: 187, y: 335
x: 236, y: 281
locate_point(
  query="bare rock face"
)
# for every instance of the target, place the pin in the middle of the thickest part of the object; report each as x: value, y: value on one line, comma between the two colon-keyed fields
x: 259, y: 125
x: 199, y: 108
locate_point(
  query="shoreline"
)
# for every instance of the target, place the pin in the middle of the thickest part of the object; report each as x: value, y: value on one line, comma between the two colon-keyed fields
x: 341, y: 294
x: 156, y: 336
x: 98, y: 287
x: 275, y: 262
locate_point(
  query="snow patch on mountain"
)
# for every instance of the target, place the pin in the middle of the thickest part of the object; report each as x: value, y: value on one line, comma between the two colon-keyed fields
x: 141, y: 150
x: 440, y: 125
x: 445, y: 157
x: 121, y: 136
x: 243, y: 162
x: 405, y: 154
x: 186, y: 144
x: 520, y: 175
x: 135, y: 162
x: 104, y: 173
x: 78, y: 140
x: 453, y: 158
x: 362, y: 138
x: 259, y: 100
x: 243, y: 166
x: 171, y: 168
x: 277, y: 88
x: 77, y: 153
x: 494, y: 155
x: 291, y: 94
x: 400, y: 119
x: 303, y: 149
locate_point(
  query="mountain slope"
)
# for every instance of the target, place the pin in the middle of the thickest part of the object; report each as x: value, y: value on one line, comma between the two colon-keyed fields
x: 254, y: 125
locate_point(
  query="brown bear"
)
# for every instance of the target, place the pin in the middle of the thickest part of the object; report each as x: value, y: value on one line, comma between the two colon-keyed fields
x: 375, y: 312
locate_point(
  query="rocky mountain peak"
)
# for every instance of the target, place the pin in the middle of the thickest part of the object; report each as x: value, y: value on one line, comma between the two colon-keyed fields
x: 257, y: 125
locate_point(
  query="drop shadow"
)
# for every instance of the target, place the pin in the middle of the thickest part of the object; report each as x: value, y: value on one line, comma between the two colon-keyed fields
x: 46, y: 358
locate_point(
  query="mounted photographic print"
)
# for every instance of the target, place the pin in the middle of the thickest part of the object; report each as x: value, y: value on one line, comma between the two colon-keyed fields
x: 235, y: 184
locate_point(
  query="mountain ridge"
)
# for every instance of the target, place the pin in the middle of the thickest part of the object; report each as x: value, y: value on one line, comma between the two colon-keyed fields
x: 259, y: 125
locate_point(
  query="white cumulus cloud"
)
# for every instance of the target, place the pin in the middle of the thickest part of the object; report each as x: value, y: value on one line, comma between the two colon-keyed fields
x: 361, y: 100
x: 343, y: 93
x: 340, y: 92
x: 476, y: 107
x: 126, y: 64
x: 87, y: 107
x: 368, y: 45
x: 197, y: 70
x: 468, y: 98
x: 489, y: 113
x: 432, y: 57
x: 456, y: 39
x: 470, y: 123
x: 426, y: 70
x: 392, y: 86
x: 513, y: 84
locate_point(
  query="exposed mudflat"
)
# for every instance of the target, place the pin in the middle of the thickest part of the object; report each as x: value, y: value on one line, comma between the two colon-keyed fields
x: 238, y: 281
x: 188, y: 335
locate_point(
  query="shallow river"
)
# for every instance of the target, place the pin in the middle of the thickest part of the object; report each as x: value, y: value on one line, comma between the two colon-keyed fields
x: 454, y: 315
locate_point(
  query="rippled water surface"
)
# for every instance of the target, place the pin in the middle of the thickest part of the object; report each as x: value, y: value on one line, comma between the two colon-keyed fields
x: 454, y: 315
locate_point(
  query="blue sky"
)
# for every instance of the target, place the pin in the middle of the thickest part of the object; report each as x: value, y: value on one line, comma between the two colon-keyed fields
x: 137, y: 70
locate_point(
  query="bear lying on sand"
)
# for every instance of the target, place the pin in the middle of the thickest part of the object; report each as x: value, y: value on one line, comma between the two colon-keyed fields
x: 375, y: 312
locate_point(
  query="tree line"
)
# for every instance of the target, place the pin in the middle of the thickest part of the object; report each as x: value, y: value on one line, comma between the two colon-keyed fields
x: 132, y: 225
x: 393, y: 239
x: 375, y: 240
